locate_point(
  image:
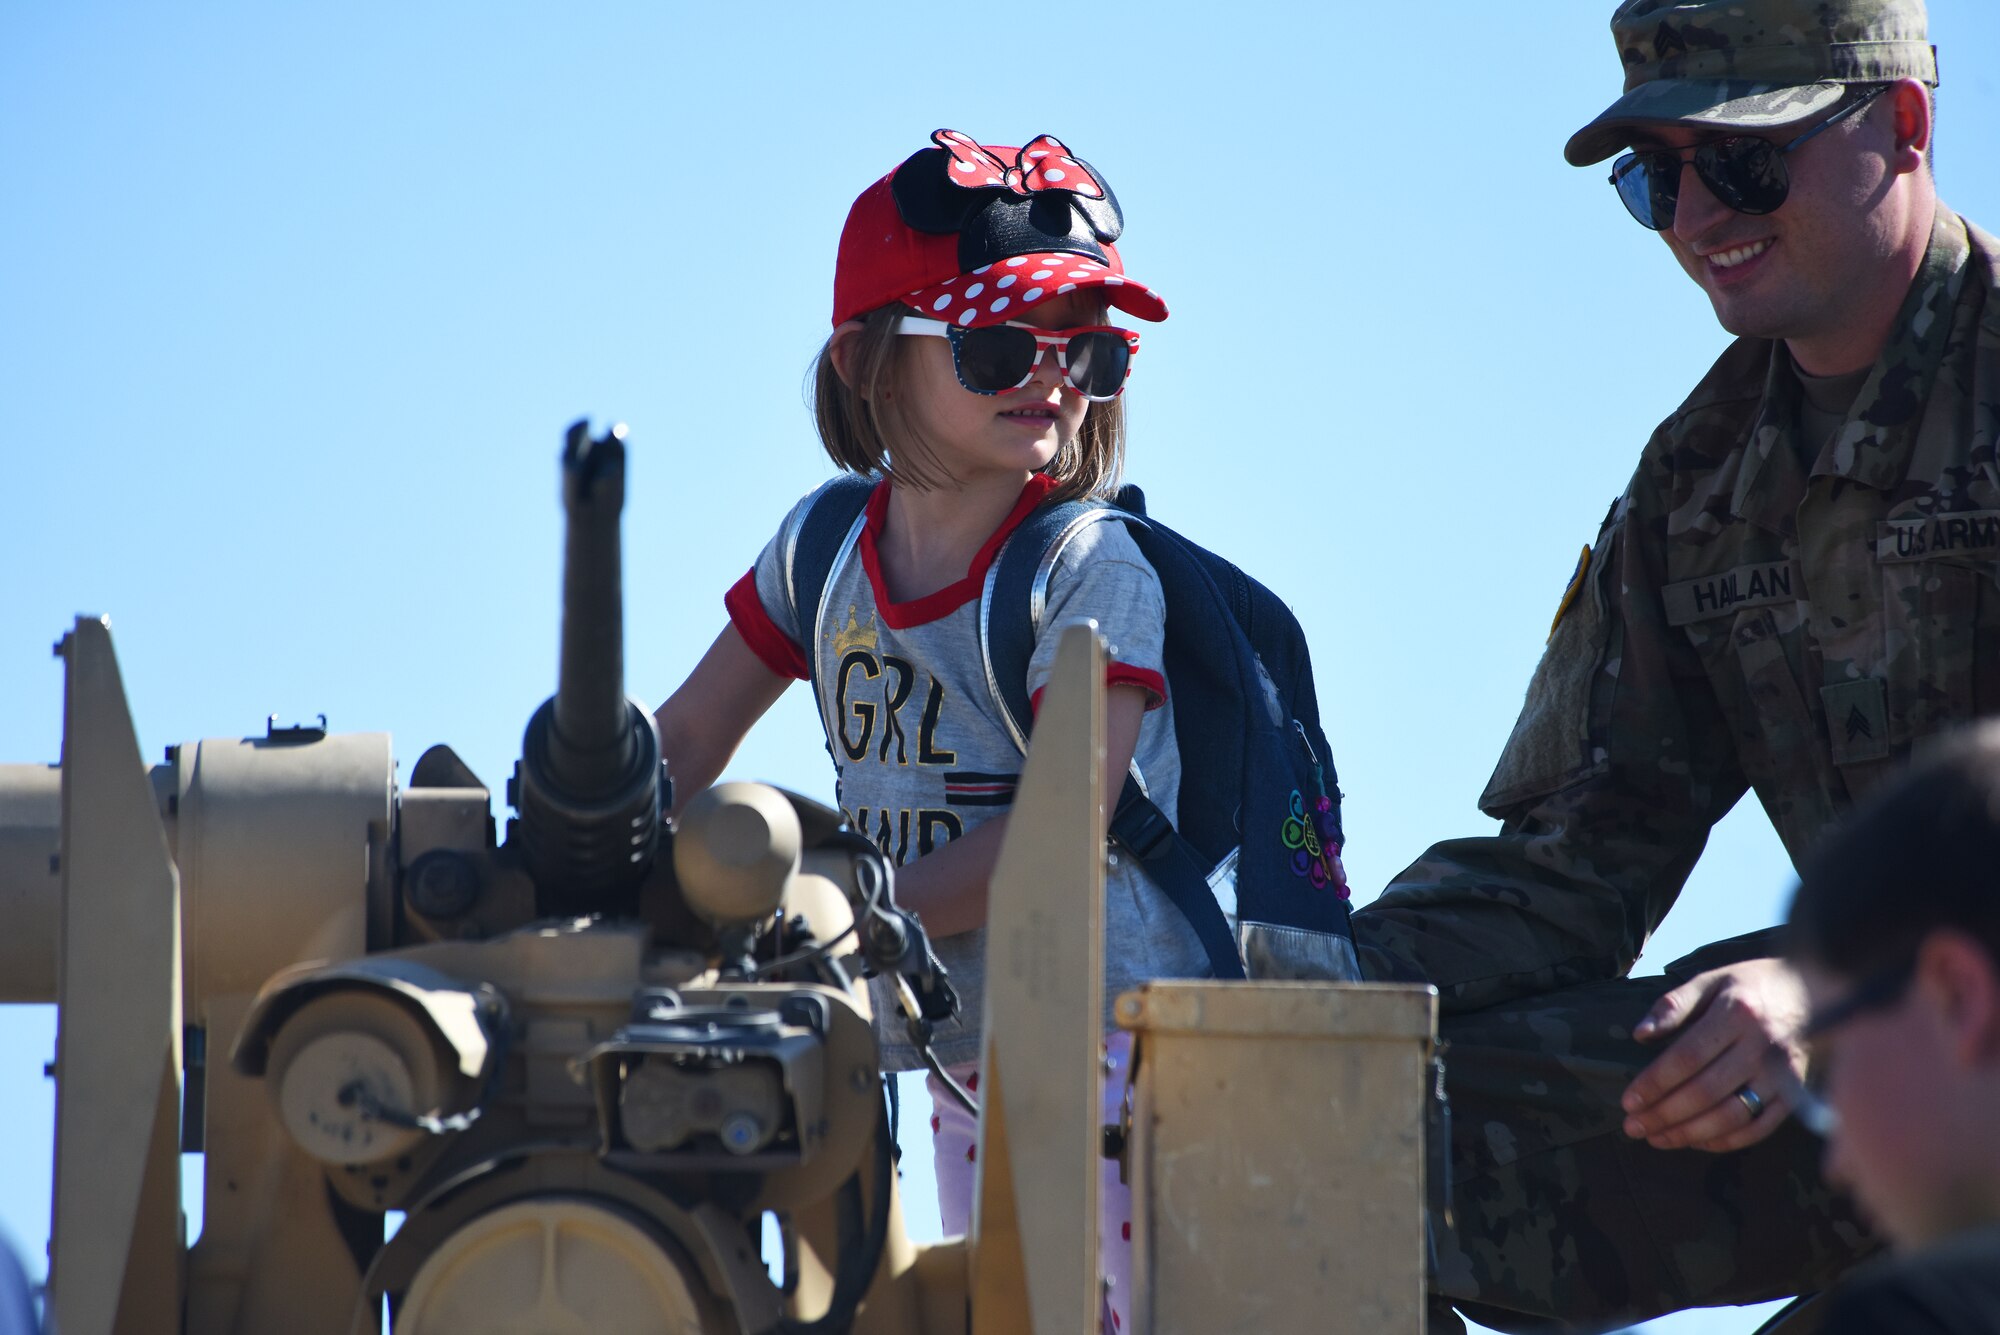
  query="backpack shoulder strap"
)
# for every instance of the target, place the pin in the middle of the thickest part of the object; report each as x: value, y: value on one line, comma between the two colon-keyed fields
x: 816, y: 544
x: 1012, y: 602
x: 1010, y: 617
x: 1144, y: 831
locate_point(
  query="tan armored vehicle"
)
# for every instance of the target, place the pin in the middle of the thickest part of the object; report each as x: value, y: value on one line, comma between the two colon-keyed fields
x: 587, y: 1060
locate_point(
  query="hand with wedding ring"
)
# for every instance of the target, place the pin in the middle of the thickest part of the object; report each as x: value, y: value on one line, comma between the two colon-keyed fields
x: 1721, y: 1083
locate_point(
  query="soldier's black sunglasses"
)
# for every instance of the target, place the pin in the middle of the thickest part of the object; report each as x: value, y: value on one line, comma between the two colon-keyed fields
x: 1745, y: 173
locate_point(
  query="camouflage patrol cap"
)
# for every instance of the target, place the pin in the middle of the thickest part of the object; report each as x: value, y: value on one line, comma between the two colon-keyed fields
x: 1750, y: 64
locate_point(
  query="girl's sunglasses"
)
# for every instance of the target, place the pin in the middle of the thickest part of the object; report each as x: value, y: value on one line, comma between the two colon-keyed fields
x: 996, y: 358
x: 1745, y: 173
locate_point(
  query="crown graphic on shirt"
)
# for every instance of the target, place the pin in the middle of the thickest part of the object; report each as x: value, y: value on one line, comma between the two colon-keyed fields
x: 853, y: 636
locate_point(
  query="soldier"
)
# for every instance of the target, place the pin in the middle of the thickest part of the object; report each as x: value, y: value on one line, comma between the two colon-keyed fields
x: 1797, y: 585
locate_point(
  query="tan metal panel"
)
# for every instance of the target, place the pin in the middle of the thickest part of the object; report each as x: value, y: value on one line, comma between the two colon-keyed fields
x: 1035, y: 1208
x: 1281, y: 1010
x: 115, y: 1255
x: 1277, y: 1156
x: 30, y: 881
x: 441, y: 818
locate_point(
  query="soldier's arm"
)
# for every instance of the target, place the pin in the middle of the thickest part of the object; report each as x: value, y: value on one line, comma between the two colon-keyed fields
x: 1618, y: 766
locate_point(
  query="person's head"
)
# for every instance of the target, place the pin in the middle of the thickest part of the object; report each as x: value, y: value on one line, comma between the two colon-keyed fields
x: 1780, y: 149
x: 1896, y: 928
x: 950, y: 267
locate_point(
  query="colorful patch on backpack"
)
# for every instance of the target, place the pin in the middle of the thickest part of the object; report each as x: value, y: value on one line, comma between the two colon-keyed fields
x: 1311, y: 835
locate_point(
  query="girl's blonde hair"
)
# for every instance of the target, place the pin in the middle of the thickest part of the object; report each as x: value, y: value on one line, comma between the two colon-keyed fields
x: 865, y: 428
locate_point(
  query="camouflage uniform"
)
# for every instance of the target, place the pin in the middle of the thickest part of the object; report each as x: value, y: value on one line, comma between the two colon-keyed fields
x: 1742, y: 622
x: 1739, y: 623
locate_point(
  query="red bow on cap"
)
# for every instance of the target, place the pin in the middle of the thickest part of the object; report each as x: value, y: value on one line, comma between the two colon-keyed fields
x: 1045, y: 164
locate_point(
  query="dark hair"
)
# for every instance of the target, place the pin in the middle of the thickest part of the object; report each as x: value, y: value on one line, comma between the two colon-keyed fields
x: 865, y: 428
x: 1920, y: 855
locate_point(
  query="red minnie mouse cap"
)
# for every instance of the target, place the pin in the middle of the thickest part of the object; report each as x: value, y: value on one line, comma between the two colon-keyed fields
x: 975, y: 235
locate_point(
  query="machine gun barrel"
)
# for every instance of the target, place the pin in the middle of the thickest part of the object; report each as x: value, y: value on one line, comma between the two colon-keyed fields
x: 589, y: 783
x: 589, y: 750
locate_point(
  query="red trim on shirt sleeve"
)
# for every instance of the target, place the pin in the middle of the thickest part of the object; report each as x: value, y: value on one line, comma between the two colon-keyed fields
x: 1120, y: 674
x: 774, y: 649
x: 1123, y: 674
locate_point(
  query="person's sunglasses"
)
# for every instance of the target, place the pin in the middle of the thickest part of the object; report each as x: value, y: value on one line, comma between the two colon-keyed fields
x: 996, y: 358
x: 1745, y: 173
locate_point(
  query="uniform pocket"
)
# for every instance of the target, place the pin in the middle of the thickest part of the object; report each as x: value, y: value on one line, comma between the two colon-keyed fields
x: 1550, y: 747
x: 1930, y: 612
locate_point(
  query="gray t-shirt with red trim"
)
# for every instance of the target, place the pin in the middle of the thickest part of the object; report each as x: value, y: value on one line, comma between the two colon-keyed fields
x: 922, y: 747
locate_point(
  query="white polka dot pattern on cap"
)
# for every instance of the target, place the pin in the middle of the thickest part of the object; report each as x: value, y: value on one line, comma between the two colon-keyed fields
x: 1022, y: 281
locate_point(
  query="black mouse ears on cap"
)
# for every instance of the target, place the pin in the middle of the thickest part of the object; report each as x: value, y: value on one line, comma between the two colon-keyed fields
x: 1046, y: 199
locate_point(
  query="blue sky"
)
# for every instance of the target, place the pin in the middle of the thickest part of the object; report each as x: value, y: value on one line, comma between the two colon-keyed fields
x: 297, y: 301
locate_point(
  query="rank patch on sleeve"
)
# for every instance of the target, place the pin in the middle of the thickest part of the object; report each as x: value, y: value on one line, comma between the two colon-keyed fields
x: 1857, y: 720
x: 1569, y: 594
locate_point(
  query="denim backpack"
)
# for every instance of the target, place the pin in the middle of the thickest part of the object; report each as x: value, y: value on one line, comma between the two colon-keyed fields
x: 1259, y: 835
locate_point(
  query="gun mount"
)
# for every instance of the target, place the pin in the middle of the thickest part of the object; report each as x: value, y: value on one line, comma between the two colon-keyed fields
x: 587, y: 1062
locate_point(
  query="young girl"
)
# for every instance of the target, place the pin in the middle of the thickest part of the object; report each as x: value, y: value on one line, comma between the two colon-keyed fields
x: 970, y: 369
